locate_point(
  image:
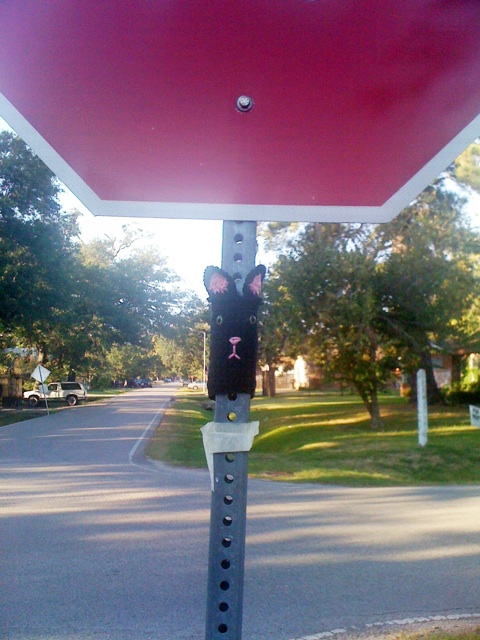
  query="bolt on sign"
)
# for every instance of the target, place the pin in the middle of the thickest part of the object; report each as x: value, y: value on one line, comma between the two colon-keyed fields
x: 252, y: 110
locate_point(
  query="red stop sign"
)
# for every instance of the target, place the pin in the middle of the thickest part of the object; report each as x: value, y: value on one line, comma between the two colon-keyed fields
x: 356, y: 104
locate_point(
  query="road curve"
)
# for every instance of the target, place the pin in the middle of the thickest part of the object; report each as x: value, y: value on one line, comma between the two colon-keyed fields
x: 98, y: 543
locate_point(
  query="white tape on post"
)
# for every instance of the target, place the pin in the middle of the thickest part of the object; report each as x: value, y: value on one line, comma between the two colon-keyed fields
x: 223, y: 437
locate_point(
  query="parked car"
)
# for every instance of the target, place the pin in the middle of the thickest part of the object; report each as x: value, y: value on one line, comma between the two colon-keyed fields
x: 71, y: 392
x: 196, y: 384
x: 143, y: 383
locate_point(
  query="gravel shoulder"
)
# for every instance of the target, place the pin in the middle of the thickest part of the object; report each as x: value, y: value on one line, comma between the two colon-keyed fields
x: 422, y: 630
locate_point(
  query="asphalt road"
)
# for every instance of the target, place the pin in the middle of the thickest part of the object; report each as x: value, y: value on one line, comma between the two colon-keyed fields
x: 96, y: 542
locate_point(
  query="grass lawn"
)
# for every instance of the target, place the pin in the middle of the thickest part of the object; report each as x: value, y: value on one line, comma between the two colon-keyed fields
x: 9, y: 416
x: 314, y: 437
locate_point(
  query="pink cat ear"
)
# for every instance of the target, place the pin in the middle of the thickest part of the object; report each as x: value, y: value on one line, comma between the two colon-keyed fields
x: 217, y: 283
x: 255, y: 285
x: 253, y: 281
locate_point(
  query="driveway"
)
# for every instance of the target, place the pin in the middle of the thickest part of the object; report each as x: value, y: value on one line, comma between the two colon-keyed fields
x: 99, y: 543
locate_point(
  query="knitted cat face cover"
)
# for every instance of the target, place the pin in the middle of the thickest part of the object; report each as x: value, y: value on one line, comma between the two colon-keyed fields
x: 234, y: 331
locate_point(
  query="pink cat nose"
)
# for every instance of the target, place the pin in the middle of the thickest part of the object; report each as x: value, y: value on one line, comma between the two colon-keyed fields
x: 235, y: 340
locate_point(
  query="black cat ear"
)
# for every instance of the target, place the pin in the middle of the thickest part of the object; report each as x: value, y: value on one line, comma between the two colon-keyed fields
x: 218, y: 282
x: 253, y: 281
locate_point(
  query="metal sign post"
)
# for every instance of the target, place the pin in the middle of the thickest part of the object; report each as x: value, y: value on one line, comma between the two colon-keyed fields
x: 40, y: 374
x: 230, y: 472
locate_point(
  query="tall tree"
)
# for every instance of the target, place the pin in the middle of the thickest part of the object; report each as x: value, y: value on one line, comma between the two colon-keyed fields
x: 362, y: 295
x: 327, y: 283
x: 426, y: 280
x: 275, y: 332
x: 37, y: 244
x: 122, y: 295
x: 128, y: 361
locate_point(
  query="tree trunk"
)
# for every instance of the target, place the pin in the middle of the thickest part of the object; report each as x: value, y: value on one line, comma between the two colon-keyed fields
x: 370, y: 400
x: 433, y: 394
x: 264, y: 383
x: 456, y: 367
x: 272, y: 387
x: 374, y: 411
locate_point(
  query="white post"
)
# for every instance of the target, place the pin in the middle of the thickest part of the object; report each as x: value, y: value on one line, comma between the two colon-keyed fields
x: 422, y: 407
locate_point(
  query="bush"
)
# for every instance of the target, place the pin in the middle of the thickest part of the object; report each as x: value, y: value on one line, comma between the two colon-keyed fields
x: 461, y: 393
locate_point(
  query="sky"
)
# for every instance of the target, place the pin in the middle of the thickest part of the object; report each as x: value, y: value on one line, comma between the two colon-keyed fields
x: 189, y: 246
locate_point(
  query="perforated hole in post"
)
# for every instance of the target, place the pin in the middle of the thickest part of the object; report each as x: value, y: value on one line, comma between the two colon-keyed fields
x: 227, y: 521
x: 222, y: 628
x: 226, y: 542
x: 224, y: 585
x: 229, y: 478
x: 223, y: 606
x: 225, y: 564
x: 229, y: 457
x: 228, y: 499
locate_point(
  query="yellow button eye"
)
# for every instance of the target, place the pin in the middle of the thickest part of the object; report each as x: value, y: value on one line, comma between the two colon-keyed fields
x: 253, y: 319
x: 219, y: 320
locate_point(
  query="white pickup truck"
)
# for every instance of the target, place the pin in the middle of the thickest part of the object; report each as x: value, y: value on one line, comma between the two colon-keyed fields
x: 71, y: 392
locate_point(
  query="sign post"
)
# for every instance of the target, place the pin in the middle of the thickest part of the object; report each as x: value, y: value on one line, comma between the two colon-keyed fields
x: 40, y: 374
x: 227, y: 441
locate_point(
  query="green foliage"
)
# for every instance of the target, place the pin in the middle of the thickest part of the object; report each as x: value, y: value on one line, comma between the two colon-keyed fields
x: 182, y: 354
x: 427, y: 277
x: 128, y: 361
x: 326, y: 282
x: 462, y: 393
x: 131, y: 292
x: 277, y: 235
x: 467, y: 167
x: 427, y: 280
x: 36, y: 244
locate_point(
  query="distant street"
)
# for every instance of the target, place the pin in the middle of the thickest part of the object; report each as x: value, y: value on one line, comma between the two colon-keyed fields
x: 96, y: 542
